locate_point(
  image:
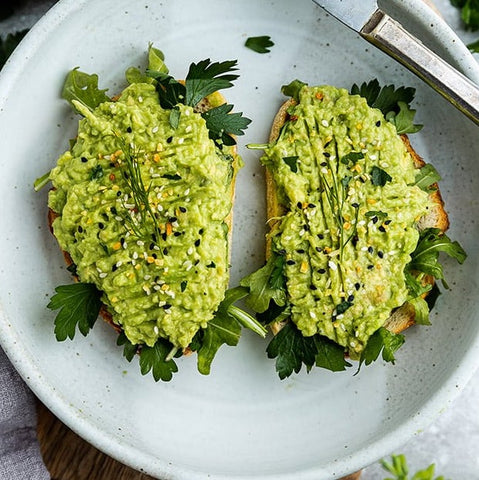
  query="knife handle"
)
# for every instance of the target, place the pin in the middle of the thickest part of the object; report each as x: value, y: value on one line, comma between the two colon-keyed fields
x: 390, y: 36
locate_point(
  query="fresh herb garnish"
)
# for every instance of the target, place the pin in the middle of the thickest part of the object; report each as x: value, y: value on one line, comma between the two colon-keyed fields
x: 384, y: 341
x: 292, y: 89
x: 469, y: 13
x: 426, y: 177
x: 379, y: 177
x: 292, y: 350
x: 292, y: 162
x: 399, y: 468
x: 79, y: 306
x: 83, y: 88
x: 203, y: 79
x: 261, y: 44
x: 393, y: 103
x: 96, y: 173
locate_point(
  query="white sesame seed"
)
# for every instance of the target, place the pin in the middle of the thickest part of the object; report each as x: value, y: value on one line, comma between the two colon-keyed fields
x: 187, y: 113
x: 352, y: 343
x: 119, y: 264
x: 180, y: 141
x: 156, y: 329
x: 302, y: 232
x: 154, y: 129
x: 187, y: 191
x: 140, y: 99
x: 340, y: 316
x: 332, y: 265
x: 118, y: 218
x: 135, y: 255
x: 161, y: 303
x: 324, y: 123
x: 147, y: 277
x: 188, y: 129
x: 373, y: 157
x: 175, y: 224
x: 140, y: 243
x: 103, y: 275
x: 312, y: 314
x: 190, y: 251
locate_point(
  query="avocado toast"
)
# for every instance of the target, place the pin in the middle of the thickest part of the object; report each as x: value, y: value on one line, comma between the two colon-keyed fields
x: 350, y: 207
x: 141, y: 206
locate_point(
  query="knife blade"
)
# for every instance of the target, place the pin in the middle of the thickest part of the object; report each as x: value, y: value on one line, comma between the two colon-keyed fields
x: 386, y: 33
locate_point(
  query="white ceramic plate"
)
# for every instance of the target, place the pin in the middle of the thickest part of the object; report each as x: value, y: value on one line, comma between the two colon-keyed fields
x: 241, y: 421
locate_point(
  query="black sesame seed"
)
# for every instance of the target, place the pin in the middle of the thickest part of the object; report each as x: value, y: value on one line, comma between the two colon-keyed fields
x: 80, y: 229
x: 357, y: 286
x: 84, y: 159
x: 197, y: 243
x: 176, y: 234
x: 318, y: 249
x: 101, y: 226
x: 322, y: 270
x: 380, y: 254
x: 164, y: 236
x: 370, y: 249
x: 166, y: 306
x: 118, y: 194
x: 172, y: 219
x: 313, y: 287
x: 324, y: 164
x: 201, y: 231
x: 299, y: 205
x: 152, y: 246
x: 382, y: 229
x: 113, y: 210
x: 355, y: 205
x: 165, y: 251
x: 320, y: 236
x: 182, y: 209
x: 129, y: 130
x: 156, y: 279
x: 370, y: 267
x: 290, y: 262
x: 378, y: 123
x: 300, y: 251
x: 311, y: 205
x: 374, y: 219
x: 169, y: 139
x: 114, y: 268
x: 387, y: 222
x: 306, y: 228
x: 154, y: 255
x: 350, y: 298
x: 326, y: 154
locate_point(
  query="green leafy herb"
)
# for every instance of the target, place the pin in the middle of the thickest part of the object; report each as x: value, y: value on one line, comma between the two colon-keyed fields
x: 265, y: 285
x: 79, y: 306
x: 380, y: 215
x: 205, y: 78
x: 381, y: 340
x: 393, y: 103
x: 156, y: 359
x: 292, y: 350
x: 292, y: 89
x: 426, y: 177
x: 83, y: 88
x: 469, y: 13
x: 473, y: 46
x: 41, y: 182
x: 175, y: 117
x: 292, y: 162
x: 261, y: 44
x: 96, y: 172
x: 8, y: 45
x: 351, y: 157
x: 421, y: 309
x: 129, y: 349
x: 170, y: 91
x: 222, y: 124
x: 379, y: 177
x: 399, y: 468
x: 425, y: 257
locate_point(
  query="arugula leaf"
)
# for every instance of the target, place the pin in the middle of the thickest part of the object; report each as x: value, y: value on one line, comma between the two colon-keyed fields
x: 264, y: 286
x: 83, y: 88
x: 381, y: 340
x: 8, y: 45
x: 205, y: 78
x: 292, y: 89
x: 399, y: 468
x: 425, y: 257
x: 379, y: 177
x: 421, y: 309
x: 259, y: 44
x: 222, y: 124
x: 155, y: 359
x: 79, y: 305
x: 156, y: 60
x: 426, y: 177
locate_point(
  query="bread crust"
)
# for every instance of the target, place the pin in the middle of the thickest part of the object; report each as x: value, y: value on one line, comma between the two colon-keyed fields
x: 404, y: 316
x: 204, y: 105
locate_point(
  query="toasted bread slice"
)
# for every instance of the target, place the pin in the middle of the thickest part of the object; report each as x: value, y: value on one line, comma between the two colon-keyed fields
x: 207, y: 103
x: 404, y: 316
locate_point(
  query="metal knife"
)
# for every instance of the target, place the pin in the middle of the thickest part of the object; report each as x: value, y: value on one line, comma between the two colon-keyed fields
x: 378, y: 28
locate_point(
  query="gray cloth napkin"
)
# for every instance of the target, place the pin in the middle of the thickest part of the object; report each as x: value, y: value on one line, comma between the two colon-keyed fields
x: 20, y: 457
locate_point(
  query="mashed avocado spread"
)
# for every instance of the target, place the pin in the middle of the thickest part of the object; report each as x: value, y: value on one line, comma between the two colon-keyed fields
x: 346, y: 181
x: 165, y: 280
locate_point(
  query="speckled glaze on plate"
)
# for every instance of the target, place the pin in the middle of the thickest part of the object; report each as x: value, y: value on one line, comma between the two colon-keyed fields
x: 241, y: 421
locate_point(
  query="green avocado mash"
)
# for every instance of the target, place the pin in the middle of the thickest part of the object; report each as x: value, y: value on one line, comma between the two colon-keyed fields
x: 346, y: 181
x: 162, y: 278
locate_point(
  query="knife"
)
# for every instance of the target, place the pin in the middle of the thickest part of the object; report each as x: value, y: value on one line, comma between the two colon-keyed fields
x: 378, y: 28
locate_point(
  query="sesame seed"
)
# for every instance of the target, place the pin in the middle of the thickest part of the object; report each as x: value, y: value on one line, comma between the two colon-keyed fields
x: 180, y: 141
x: 324, y: 123
x: 154, y: 129
x: 156, y: 329
x: 312, y: 314
x: 103, y: 275
x: 332, y: 265
x: 190, y: 251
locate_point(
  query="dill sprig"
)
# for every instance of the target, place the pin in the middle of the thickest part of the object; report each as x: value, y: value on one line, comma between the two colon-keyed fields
x: 140, y: 194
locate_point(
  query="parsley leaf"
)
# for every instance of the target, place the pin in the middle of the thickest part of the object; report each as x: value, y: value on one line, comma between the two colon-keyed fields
x: 205, y: 78
x: 222, y: 124
x: 379, y: 177
x: 292, y: 350
x: 79, y: 305
x: 393, y: 103
x: 292, y: 89
x: 259, y: 44
x: 292, y: 163
x: 381, y: 340
x: 83, y: 88
x: 155, y: 359
x: 8, y: 45
x: 425, y: 257
x: 170, y: 91
x: 264, y: 286
x: 129, y: 349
